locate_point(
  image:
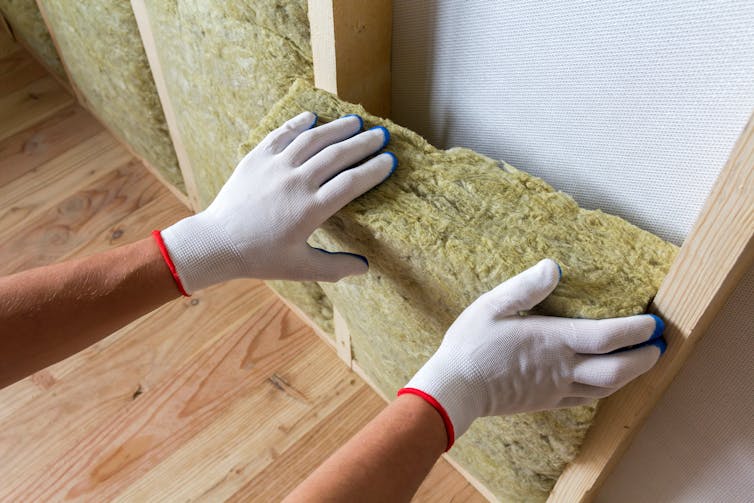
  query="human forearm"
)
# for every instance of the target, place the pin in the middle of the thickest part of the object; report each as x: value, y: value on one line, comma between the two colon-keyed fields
x: 258, y: 226
x: 386, y: 461
x: 52, y: 312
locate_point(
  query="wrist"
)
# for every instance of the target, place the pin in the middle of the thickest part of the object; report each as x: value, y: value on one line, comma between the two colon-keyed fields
x: 422, y: 419
x: 448, y: 384
x: 201, y: 253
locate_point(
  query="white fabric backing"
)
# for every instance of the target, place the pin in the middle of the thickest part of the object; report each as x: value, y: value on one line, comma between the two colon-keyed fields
x: 631, y: 107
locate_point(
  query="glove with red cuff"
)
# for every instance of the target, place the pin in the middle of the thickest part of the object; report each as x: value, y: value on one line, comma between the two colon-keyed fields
x: 494, y: 361
x: 285, y: 188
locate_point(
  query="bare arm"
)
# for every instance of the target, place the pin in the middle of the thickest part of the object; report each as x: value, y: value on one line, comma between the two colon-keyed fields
x: 492, y: 361
x: 52, y: 312
x: 294, y: 180
x: 386, y: 461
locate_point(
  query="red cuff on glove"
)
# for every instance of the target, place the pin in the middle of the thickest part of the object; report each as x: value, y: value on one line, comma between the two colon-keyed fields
x: 439, y: 408
x: 165, y: 255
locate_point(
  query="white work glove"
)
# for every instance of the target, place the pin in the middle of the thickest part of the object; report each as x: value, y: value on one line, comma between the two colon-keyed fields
x: 285, y: 188
x: 494, y: 361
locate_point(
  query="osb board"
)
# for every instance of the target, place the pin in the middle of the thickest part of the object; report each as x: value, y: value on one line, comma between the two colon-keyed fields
x: 448, y: 226
x: 225, y: 64
x: 27, y: 24
x: 102, y: 50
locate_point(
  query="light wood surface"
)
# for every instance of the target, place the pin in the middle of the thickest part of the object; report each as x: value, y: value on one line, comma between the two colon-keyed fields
x: 714, y: 257
x: 342, y: 338
x: 226, y: 395
x: 351, y: 42
x: 150, y: 47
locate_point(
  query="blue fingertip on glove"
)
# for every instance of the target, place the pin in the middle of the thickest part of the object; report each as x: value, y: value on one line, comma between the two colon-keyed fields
x: 659, y: 327
x: 361, y: 121
x: 360, y: 257
x: 385, y: 132
x: 395, y: 164
x: 316, y: 118
x: 660, y: 344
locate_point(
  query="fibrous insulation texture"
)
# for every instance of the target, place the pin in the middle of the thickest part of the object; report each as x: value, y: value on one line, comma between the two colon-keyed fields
x: 100, y: 43
x: 448, y: 226
x: 225, y: 64
x: 27, y: 24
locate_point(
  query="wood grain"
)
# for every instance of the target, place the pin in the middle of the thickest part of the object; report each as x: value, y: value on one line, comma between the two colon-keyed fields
x: 31, y: 148
x: 150, y: 47
x: 31, y: 104
x: 69, y: 224
x: 17, y: 71
x: 222, y: 395
x: 351, y: 44
x: 712, y: 260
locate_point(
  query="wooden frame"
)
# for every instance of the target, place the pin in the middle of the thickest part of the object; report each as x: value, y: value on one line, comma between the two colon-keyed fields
x: 715, y: 255
x: 84, y: 103
x: 150, y: 48
x: 351, y: 42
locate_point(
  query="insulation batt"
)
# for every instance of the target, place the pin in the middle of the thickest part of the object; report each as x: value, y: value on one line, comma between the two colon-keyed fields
x: 448, y: 226
x: 225, y: 64
x: 100, y: 43
x: 27, y: 23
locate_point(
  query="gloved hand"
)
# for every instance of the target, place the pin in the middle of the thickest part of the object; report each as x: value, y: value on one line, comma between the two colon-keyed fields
x: 285, y: 188
x: 493, y: 361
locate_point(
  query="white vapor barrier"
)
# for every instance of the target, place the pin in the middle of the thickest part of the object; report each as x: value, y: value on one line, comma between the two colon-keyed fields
x: 631, y: 107
x: 698, y: 443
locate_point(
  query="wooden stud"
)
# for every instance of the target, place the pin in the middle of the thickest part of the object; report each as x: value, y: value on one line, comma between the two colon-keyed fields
x: 342, y: 337
x: 67, y: 70
x: 712, y: 260
x: 85, y: 103
x: 351, y: 41
x: 150, y: 47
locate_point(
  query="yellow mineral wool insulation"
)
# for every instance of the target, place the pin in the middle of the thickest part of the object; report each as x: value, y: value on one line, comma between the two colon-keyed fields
x: 447, y: 226
x: 225, y: 64
x: 28, y: 25
x: 101, y: 46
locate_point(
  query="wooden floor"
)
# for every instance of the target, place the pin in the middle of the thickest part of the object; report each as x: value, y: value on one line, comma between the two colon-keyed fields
x: 224, y: 396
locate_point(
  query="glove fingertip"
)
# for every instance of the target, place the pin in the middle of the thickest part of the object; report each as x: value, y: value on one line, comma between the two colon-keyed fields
x: 386, y: 135
x: 361, y: 121
x: 360, y: 257
x: 659, y: 327
x: 552, y: 268
x: 660, y: 344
